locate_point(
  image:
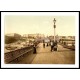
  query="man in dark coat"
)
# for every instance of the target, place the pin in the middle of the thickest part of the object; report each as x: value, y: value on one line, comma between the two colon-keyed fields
x: 34, y: 48
x: 55, y: 46
x: 43, y: 44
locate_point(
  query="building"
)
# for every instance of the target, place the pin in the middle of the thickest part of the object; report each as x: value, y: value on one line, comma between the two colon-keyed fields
x: 13, y: 35
x: 36, y: 35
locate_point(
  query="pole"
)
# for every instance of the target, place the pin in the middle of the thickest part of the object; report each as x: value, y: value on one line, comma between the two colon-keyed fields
x: 55, y: 43
x: 54, y: 28
x: 54, y: 34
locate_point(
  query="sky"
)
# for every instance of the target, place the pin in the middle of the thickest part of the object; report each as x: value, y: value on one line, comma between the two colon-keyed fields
x: 22, y: 24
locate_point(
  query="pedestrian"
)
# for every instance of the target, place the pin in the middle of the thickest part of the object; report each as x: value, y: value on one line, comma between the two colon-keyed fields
x: 51, y: 46
x: 55, y: 46
x: 34, y: 48
x: 50, y: 43
x: 47, y: 44
x: 43, y: 44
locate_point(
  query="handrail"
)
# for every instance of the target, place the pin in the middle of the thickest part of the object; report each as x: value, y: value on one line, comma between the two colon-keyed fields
x: 10, y: 56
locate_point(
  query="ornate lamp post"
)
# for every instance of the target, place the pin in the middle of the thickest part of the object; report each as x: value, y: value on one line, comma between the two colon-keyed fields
x: 54, y: 27
x: 55, y: 47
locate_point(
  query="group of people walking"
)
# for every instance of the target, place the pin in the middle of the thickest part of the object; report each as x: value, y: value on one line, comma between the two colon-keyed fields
x: 45, y: 45
x: 52, y: 44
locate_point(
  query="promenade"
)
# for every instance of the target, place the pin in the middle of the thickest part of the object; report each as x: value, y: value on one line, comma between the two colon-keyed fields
x: 45, y: 56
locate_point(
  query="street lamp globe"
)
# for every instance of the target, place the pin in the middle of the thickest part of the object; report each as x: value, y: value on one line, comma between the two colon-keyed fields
x: 54, y: 21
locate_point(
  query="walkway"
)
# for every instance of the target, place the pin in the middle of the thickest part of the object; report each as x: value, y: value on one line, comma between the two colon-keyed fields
x: 45, y: 56
x: 62, y: 56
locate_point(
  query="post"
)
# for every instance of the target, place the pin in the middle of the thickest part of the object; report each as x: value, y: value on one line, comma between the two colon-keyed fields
x: 55, y: 42
x: 54, y: 34
x: 54, y: 28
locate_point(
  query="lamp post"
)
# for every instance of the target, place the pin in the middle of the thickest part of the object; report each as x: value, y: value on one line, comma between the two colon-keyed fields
x: 54, y: 27
x: 55, y: 42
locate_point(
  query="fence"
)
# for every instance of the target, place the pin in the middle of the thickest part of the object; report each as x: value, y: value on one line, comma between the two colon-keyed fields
x: 70, y: 44
x: 10, y: 56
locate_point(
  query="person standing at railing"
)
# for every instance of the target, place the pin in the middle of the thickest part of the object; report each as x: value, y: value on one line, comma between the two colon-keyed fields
x: 43, y: 44
x: 34, y: 49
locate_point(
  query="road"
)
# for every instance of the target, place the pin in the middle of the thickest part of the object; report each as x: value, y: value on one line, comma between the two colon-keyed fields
x: 45, y: 56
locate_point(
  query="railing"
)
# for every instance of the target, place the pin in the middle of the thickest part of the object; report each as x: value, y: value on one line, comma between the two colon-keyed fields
x: 10, y: 56
x: 65, y: 44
